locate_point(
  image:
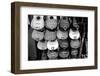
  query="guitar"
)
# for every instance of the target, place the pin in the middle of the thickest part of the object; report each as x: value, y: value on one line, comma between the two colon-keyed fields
x: 74, y: 34
x: 50, y: 35
x: 37, y: 22
x: 63, y: 43
x: 42, y: 45
x: 75, y: 24
x: 52, y: 45
x: 37, y: 35
x: 75, y: 44
x: 52, y: 54
x: 62, y: 34
x: 64, y: 23
x: 64, y: 53
x: 74, y: 52
x: 51, y: 22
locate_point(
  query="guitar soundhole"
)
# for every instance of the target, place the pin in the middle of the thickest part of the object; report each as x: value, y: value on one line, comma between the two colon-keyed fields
x: 38, y: 17
x: 57, y: 37
x: 51, y: 17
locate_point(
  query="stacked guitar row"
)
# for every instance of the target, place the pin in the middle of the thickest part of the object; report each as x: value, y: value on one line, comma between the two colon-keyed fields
x: 58, y: 37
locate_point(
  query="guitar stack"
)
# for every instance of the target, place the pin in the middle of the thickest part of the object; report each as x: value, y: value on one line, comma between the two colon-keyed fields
x: 56, y: 37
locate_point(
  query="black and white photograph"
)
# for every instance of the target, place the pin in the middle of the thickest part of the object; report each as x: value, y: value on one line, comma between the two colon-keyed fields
x: 53, y: 37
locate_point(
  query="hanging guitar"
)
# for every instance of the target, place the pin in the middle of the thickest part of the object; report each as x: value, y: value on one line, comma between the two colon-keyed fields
x: 52, y: 54
x: 51, y: 22
x: 64, y: 22
x: 37, y: 22
x: 62, y: 34
x: 63, y: 53
x: 50, y: 35
x: 37, y: 35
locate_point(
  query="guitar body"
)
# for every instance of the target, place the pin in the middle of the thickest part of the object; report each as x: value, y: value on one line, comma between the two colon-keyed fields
x: 62, y: 35
x: 64, y: 23
x: 74, y: 52
x: 52, y: 54
x: 51, y: 22
x: 63, y: 43
x: 64, y: 53
x: 52, y: 45
x: 42, y: 45
x: 75, y: 44
x: 37, y: 35
x: 50, y: 35
x: 37, y: 22
x: 74, y: 34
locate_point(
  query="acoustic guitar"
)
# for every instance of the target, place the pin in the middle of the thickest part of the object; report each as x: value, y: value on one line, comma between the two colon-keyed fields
x: 52, y: 45
x: 52, y: 54
x: 64, y: 22
x: 50, y: 35
x: 62, y: 34
x: 42, y: 45
x: 37, y: 35
x: 37, y: 22
x: 51, y: 22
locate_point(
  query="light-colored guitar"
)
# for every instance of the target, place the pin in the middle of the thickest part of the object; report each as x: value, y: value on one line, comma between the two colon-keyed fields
x: 62, y: 34
x: 52, y: 45
x: 74, y: 34
x: 37, y: 22
x: 42, y: 45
